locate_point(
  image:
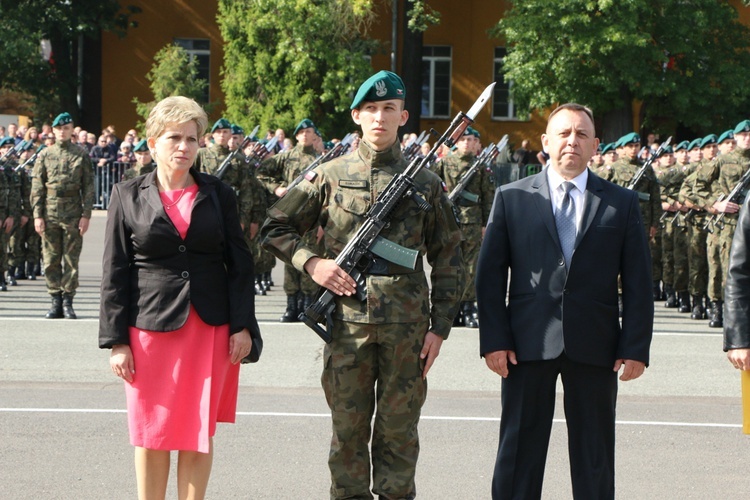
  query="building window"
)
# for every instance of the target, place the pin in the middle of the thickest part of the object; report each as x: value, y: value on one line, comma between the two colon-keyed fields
x: 502, y: 104
x: 436, y: 81
x: 199, y: 49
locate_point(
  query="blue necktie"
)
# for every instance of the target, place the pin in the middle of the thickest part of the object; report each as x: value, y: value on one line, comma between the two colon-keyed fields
x: 565, y: 219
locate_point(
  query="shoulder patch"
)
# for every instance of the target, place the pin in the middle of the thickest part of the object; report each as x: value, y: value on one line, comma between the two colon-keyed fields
x: 445, y: 188
x: 311, y: 175
x: 352, y: 183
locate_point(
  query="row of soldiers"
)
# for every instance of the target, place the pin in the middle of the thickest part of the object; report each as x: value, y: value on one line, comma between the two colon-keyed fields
x: 682, y: 195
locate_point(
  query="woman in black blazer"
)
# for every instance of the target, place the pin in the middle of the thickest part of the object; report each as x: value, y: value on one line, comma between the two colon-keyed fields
x: 177, y: 304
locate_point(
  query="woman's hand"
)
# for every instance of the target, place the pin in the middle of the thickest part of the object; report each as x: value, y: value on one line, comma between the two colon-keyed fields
x: 239, y: 346
x: 121, y: 361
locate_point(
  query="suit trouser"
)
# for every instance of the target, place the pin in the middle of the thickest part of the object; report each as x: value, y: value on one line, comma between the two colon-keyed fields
x: 528, y: 399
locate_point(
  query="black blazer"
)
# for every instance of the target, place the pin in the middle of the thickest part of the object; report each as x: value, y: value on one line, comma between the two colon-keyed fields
x: 151, y: 275
x: 737, y: 290
x: 551, y: 309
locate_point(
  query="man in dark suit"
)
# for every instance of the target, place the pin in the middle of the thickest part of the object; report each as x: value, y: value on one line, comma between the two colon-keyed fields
x: 564, y: 236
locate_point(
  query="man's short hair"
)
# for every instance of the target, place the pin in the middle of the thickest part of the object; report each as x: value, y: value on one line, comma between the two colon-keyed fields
x: 575, y: 107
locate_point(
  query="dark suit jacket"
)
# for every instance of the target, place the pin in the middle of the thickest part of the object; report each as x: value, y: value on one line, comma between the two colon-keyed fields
x: 737, y: 290
x: 551, y: 309
x: 151, y: 275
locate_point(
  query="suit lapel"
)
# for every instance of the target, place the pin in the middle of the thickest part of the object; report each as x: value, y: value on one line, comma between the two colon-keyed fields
x: 592, y: 199
x: 543, y: 204
x: 150, y: 192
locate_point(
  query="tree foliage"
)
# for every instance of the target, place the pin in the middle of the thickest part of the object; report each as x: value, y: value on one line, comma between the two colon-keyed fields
x: 285, y: 60
x: 174, y: 72
x: 685, y: 59
x: 24, y: 24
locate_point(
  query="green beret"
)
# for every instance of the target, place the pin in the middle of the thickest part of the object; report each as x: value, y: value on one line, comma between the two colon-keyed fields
x: 472, y: 131
x: 743, y: 126
x: 237, y: 130
x: 695, y: 143
x: 630, y: 138
x: 667, y: 150
x: 727, y: 135
x: 381, y: 86
x: 5, y: 141
x: 221, y: 123
x: 140, y: 146
x: 608, y: 147
x: 62, y: 119
x: 683, y: 145
x: 306, y: 123
x: 328, y: 145
x: 709, y: 139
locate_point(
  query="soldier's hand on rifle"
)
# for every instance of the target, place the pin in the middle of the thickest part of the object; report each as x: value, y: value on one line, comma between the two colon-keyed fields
x: 325, y: 272
x: 280, y: 191
x: 726, y: 206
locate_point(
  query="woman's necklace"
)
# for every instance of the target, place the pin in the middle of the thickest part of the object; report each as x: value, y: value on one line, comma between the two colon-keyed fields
x: 167, y: 206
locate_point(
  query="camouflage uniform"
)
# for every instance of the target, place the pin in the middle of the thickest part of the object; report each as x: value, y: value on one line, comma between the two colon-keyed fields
x: 10, y: 206
x: 474, y: 207
x: 15, y: 184
x: 698, y: 267
x: 25, y: 243
x: 674, y: 238
x: 138, y: 169
x: 62, y: 192
x: 373, y: 361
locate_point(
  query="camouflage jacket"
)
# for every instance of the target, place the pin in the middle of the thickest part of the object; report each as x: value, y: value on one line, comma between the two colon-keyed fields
x: 338, y: 195
x: 237, y: 176
x: 137, y: 170
x: 722, y: 176
x: 671, y: 182
x: 10, y: 192
x: 280, y: 170
x: 62, y: 187
x: 471, y: 211
x: 604, y: 171
x: 649, y: 198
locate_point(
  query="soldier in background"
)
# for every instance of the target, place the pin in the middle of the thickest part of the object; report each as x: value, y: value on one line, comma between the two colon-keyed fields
x: 726, y: 142
x: 609, y: 157
x: 276, y: 173
x: 383, y: 347
x: 143, y: 161
x: 15, y: 195
x: 25, y: 243
x: 474, y: 207
x: 9, y: 208
x: 62, y: 197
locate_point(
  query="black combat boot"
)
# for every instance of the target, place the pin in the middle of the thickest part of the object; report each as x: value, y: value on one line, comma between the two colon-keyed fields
x: 657, y: 291
x: 307, y: 301
x: 56, y: 311
x: 671, y: 302
x: 699, y: 312
x: 3, y: 284
x: 30, y: 271
x: 684, y: 302
x: 269, y: 280
x: 259, y: 288
x: 12, y: 276
x: 292, y: 311
x: 67, y: 307
x: 716, y: 320
x: 20, y: 273
x: 470, y: 321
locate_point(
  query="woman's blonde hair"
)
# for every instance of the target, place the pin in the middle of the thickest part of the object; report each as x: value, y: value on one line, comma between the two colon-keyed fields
x: 29, y: 131
x: 175, y: 109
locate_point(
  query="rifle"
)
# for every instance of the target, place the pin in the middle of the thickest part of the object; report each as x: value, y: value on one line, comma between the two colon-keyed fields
x: 733, y: 197
x: 359, y: 253
x: 339, y: 149
x: 14, y: 151
x: 260, y: 151
x: 639, y: 175
x: 414, y: 145
x: 31, y: 159
x: 485, y: 158
x: 228, y: 160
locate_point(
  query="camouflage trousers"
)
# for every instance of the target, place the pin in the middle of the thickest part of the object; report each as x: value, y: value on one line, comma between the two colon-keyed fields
x: 61, y: 249
x: 25, y: 245
x: 374, y: 369
x: 654, y: 245
x: 725, y: 246
x: 715, y: 289
x: 3, y: 253
x: 263, y: 260
x: 674, y: 257
x: 470, y: 249
x: 698, y: 274
x: 296, y: 281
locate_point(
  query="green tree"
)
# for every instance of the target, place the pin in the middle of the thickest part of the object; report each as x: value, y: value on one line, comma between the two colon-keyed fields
x: 686, y: 60
x: 52, y: 85
x: 285, y: 60
x: 174, y: 72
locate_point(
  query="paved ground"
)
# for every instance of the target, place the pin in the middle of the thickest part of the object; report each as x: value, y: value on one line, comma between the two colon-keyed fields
x: 63, y: 428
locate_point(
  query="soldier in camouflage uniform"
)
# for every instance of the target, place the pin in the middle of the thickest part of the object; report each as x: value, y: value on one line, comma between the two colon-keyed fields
x: 609, y: 157
x: 720, y: 178
x: 698, y: 274
x: 62, y: 197
x: 144, y: 163
x: 25, y: 243
x: 14, y: 183
x: 276, y: 173
x: 474, y: 207
x: 383, y: 347
x: 10, y: 201
x: 648, y: 197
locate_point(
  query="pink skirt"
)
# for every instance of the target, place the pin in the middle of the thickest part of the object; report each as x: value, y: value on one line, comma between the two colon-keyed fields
x: 183, y: 384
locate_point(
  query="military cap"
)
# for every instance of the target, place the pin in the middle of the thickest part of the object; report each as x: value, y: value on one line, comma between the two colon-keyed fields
x: 221, y: 123
x: 683, y: 145
x: 630, y: 138
x: 743, y: 126
x: 472, y: 131
x: 667, y: 150
x: 381, y: 86
x: 608, y: 147
x: 302, y: 125
x: 599, y: 148
x: 695, y: 143
x: 725, y: 136
x: 328, y: 145
x: 317, y: 132
x: 62, y: 119
x: 140, y: 146
x: 709, y: 139
x: 5, y: 141
x: 237, y: 130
